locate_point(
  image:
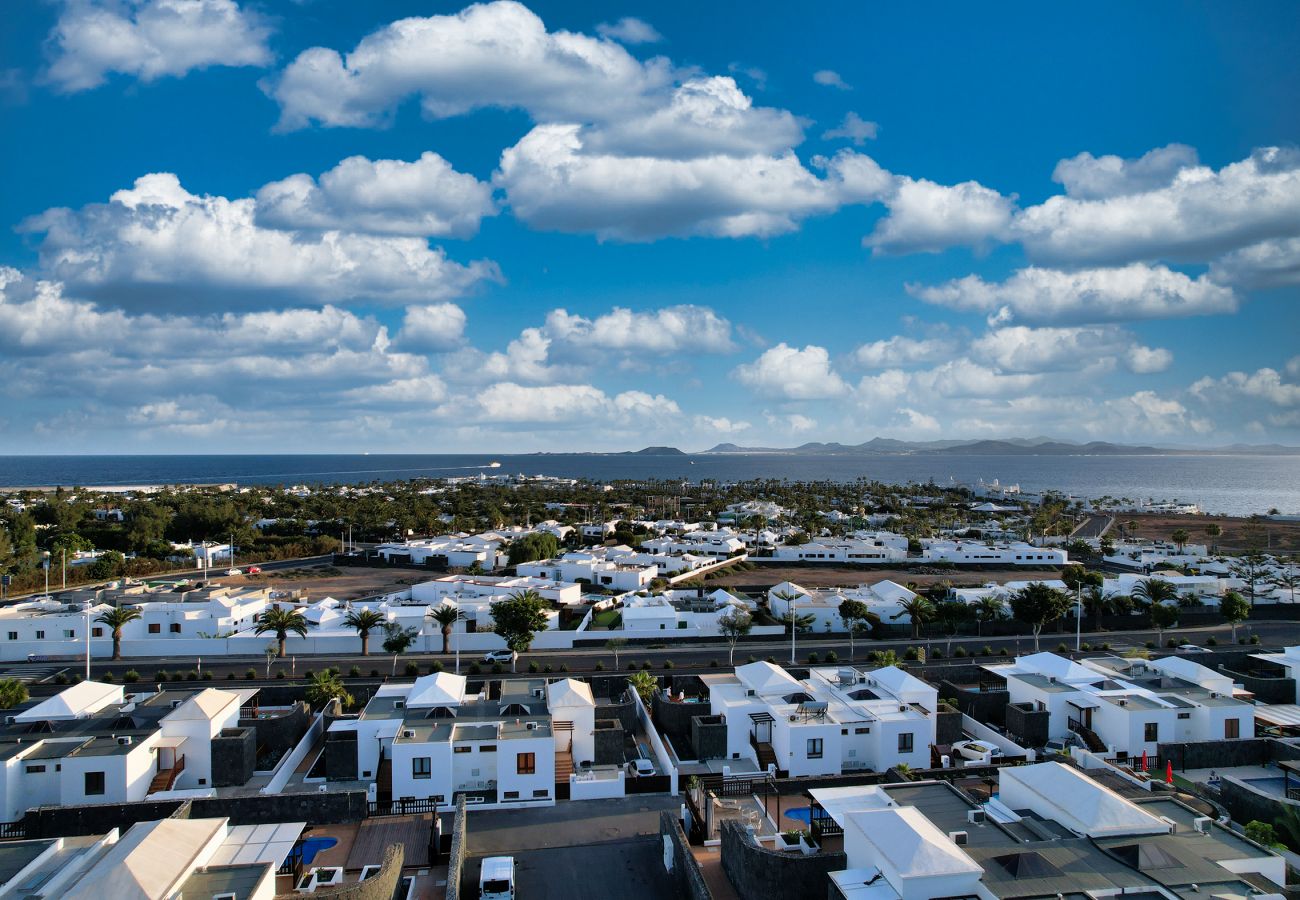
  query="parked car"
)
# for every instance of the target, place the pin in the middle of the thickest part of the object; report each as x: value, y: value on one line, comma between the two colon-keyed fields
x: 500, y: 656
x: 976, y: 751
x: 496, y: 880
x: 1060, y: 745
x: 234, y: 571
x: 254, y: 570
x: 640, y: 767
x: 1191, y: 648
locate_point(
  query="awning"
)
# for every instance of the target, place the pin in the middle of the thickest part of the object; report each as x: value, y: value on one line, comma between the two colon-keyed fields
x: 171, y: 741
x: 1084, y: 704
x: 1285, y: 715
x: 257, y: 844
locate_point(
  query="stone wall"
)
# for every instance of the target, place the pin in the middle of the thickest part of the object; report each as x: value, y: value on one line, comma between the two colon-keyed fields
x: 675, y: 718
x: 761, y: 874
x: 1266, y: 690
x: 608, y: 736
x: 709, y: 737
x: 623, y: 710
x: 947, y: 725
x: 989, y: 707
x: 1224, y: 754
x: 280, y: 734
x: 234, y: 757
x: 340, y: 755
x: 688, y: 880
x: 1027, y: 726
x: 459, y: 850
x: 380, y: 886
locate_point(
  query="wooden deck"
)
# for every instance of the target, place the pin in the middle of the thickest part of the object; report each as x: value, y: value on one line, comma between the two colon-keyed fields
x: 373, y: 837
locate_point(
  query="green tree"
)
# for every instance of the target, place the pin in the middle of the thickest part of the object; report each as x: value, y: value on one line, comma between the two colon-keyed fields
x: 989, y: 608
x: 397, y: 640
x: 952, y: 614
x: 1163, y: 616
x: 1180, y: 537
x: 446, y: 616
x: 1235, y: 610
x: 1077, y: 577
x: 920, y: 609
x: 1263, y: 833
x: 1152, y: 591
x: 857, y: 618
x: 1096, y: 603
x: 614, y: 645
x: 517, y: 619
x: 111, y: 565
x: 644, y: 684
x: 792, y: 618
x: 115, y: 618
x: 533, y: 546
x: 326, y: 686
x: 12, y: 693
x: 1288, y: 577
x: 281, y: 622
x: 1250, y: 567
x: 734, y: 624
x: 1213, y: 531
x: 1037, y: 604
x: 146, y: 523
x: 364, y: 621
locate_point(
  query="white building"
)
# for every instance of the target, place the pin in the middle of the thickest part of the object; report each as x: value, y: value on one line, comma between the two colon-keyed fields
x: 970, y: 552
x: 684, y: 613
x: 836, y: 720
x: 843, y: 550
x: 884, y: 599
x: 1130, y: 705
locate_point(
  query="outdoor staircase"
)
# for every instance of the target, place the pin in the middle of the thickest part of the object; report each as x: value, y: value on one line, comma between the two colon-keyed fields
x: 1089, y: 737
x: 165, y: 778
x: 563, y: 767
x: 766, y: 755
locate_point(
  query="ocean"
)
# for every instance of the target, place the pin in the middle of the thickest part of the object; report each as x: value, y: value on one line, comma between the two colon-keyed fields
x: 1229, y: 484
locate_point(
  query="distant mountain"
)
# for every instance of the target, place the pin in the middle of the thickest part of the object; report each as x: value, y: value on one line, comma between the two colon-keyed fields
x: 1038, y: 446
x: 655, y: 451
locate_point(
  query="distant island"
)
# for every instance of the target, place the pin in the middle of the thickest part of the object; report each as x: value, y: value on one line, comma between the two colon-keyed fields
x: 1039, y: 446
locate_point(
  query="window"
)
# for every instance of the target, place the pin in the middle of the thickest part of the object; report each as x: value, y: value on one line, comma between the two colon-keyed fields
x: 94, y: 784
x: 13, y: 635
x: 40, y: 635
x: 155, y: 628
x: 69, y: 634
x: 542, y: 793
x: 510, y: 795
x: 96, y: 632
x: 526, y: 763
x: 1151, y: 732
x: 421, y: 767
x: 488, y: 748
x: 32, y: 770
x: 175, y: 628
x: 905, y: 742
x: 462, y: 749
x: 1232, y: 728
x: 863, y: 730
x: 1184, y: 715
x: 814, y: 748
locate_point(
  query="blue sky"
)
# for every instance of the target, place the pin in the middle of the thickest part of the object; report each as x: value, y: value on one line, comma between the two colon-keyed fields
x: 324, y: 225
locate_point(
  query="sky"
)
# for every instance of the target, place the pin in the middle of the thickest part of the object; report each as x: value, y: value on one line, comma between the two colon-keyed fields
x: 425, y: 227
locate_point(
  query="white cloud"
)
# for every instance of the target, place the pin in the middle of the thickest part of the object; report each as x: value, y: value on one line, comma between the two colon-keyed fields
x: 925, y: 217
x: 1088, y: 177
x: 423, y: 389
x: 1021, y: 349
x: 790, y: 423
x: 830, y: 78
x: 901, y: 351
x: 1135, y: 291
x: 854, y: 128
x: 672, y: 329
x: 964, y: 378
x: 158, y: 236
x: 488, y: 55
x: 1263, y: 384
x: 791, y: 373
x: 384, y: 196
x: 721, y: 424
x: 1273, y: 263
x: 1293, y: 366
x: 433, y: 328
x: 629, y: 30
x: 526, y: 358
x: 150, y: 39
x: 1200, y: 214
x: 508, y: 402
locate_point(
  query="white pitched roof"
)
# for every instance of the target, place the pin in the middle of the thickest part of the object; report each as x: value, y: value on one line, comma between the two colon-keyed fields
x: 766, y: 678
x: 207, y: 704
x: 151, y: 860
x: 891, y: 591
x: 80, y: 700
x: 840, y: 802
x: 904, y: 841
x: 568, y: 693
x: 442, y: 689
x: 1045, y: 663
x: 1059, y: 792
x: 897, y: 681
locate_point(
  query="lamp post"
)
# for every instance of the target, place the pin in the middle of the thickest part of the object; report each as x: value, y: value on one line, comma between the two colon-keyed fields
x: 794, y: 626
x: 45, y: 564
x: 87, y: 639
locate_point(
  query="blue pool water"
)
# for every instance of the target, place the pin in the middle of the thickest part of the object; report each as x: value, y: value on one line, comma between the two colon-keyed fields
x: 800, y: 814
x: 313, y: 845
x: 1273, y: 784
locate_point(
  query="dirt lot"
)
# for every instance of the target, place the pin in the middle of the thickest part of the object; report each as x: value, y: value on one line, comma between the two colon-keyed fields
x: 1283, y: 537
x: 327, y: 581
x: 852, y: 576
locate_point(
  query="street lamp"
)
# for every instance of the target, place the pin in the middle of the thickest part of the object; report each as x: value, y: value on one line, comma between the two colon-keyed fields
x: 794, y: 626
x: 87, y: 639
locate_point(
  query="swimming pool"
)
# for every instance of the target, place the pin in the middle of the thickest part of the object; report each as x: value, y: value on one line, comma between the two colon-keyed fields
x: 1274, y: 784
x: 313, y: 845
x: 800, y: 814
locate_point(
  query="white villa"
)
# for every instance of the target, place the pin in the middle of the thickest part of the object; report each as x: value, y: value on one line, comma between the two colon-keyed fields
x: 884, y: 598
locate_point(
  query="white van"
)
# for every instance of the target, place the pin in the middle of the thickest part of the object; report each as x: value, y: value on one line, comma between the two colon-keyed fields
x: 496, y: 881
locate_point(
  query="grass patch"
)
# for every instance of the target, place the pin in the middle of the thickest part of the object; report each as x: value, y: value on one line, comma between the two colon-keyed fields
x: 607, y: 618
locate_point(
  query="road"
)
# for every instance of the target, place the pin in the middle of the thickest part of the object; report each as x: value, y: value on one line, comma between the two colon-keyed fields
x: 687, y: 657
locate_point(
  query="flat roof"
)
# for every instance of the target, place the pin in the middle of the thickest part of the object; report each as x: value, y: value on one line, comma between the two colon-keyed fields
x: 242, y: 880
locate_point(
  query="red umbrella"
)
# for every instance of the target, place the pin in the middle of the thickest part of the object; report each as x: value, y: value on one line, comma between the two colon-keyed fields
x: 1145, y: 766
x: 1169, y: 772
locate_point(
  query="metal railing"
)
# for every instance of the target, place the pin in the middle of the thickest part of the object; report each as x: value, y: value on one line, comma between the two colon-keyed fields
x: 401, y: 807
x: 13, y: 831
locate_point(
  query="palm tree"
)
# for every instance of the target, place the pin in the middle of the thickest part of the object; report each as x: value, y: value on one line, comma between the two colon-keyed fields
x: 1097, y: 603
x: 1150, y: 591
x: 446, y: 616
x: 988, y: 608
x: 12, y: 693
x: 796, y: 619
x: 326, y: 686
x: 919, y: 609
x: 281, y: 621
x: 1180, y: 537
x: 1213, y: 531
x: 115, y: 618
x: 365, y: 621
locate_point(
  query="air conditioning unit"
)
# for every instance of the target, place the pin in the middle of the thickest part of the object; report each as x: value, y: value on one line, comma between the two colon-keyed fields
x: 399, y: 704
x: 125, y: 740
x: 532, y: 726
x: 1202, y: 824
x: 750, y: 693
x: 794, y: 718
x: 960, y: 838
x: 1173, y: 826
x: 976, y: 816
x: 10, y: 720
x: 408, y: 734
x: 1123, y: 702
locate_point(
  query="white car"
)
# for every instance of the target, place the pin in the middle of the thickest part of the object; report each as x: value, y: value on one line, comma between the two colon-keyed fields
x: 976, y: 751
x: 1190, y: 648
x: 496, y: 880
x: 234, y: 571
x: 500, y: 656
x: 641, y: 767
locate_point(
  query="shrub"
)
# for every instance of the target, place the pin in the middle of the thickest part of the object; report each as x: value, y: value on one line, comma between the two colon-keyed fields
x: 1150, y: 645
x: 713, y: 664
x: 1211, y: 641
x: 374, y: 673
x: 1062, y: 648
x: 986, y: 650
x: 162, y: 675
x: 647, y: 665
x: 307, y: 674
x: 435, y: 667
x: 936, y: 654
x: 250, y: 674
x: 832, y: 656
x: 911, y: 653
x: 355, y: 672
x: 1085, y: 646
x: 668, y: 663
x: 813, y: 658
x: 1254, y: 639
x: 107, y: 678
x: 207, y: 674
x: 1106, y: 645
x: 547, y: 668
x: 753, y: 658
x: 564, y: 667
x: 279, y: 673
x: 631, y: 667
x: 61, y: 679
x: 497, y: 669
x: 192, y: 675
x: 1172, y: 642
x: 1241, y: 640
x: 130, y: 676
x: 475, y: 669
x: 1004, y: 652
x: 230, y: 676
x: 533, y: 667
x: 960, y: 652
x: 600, y: 666
x: 412, y: 669
x: 772, y: 660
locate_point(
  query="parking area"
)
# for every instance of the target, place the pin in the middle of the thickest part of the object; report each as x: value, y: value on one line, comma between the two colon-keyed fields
x: 576, y: 851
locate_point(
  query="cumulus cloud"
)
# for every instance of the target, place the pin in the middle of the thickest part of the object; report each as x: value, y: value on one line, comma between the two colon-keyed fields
x: 853, y: 128
x: 1199, y: 214
x: 508, y: 402
x: 1268, y: 264
x: 383, y: 196
x: 830, y: 78
x: 721, y: 424
x: 496, y: 54
x: 1263, y: 384
x: 1135, y: 291
x: 1089, y: 177
x: 902, y: 351
x: 156, y: 235
x: 433, y: 328
x: 790, y: 423
x: 151, y: 39
x: 672, y: 329
x: 1021, y: 349
x: 925, y: 217
x: 791, y: 373
x: 629, y: 30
